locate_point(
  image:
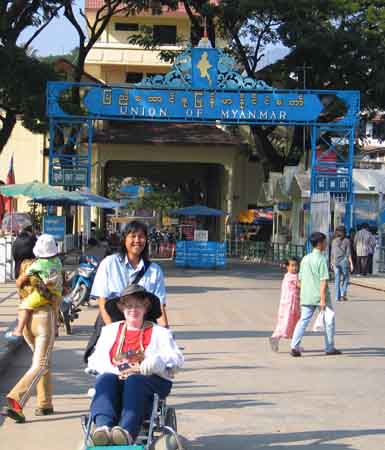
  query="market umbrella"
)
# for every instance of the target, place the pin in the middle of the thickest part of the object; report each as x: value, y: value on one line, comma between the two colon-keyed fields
x: 99, y: 201
x: 46, y: 194
x: 37, y: 190
x: 197, y: 210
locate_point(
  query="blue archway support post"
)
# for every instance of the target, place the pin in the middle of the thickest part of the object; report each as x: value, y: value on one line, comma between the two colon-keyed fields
x: 332, y: 165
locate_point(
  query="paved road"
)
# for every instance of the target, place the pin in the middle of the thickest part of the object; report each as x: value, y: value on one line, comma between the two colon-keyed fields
x: 234, y: 393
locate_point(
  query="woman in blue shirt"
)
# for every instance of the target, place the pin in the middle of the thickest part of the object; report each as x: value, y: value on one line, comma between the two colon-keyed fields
x: 131, y: 265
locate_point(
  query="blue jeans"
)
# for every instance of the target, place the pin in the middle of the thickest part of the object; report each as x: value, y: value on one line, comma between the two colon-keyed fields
x: 307, y: 313
x: 341, y: 280
x: 126, y: 402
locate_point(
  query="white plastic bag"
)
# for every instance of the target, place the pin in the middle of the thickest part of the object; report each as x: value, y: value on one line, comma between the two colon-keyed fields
x: 329, y: 314
x: 319, y: 324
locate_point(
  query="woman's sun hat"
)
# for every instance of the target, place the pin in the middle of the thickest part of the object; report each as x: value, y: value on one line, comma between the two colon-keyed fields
x: 154, y: 310
x: 45, y: 246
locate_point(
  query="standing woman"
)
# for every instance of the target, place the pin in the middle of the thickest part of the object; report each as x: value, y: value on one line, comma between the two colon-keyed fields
x: 39, y: 333
x: 341, y: 260
x: 131, y: 265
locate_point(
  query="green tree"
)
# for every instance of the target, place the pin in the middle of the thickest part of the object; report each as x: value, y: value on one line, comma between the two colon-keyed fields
x: 343, y: 41
x: 21, y: 94
x: 161, y: 200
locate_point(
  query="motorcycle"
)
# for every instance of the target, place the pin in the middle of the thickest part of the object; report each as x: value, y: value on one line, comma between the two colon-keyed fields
x: 79, y: 284
x: 68, y: 313
x: 81, y: 281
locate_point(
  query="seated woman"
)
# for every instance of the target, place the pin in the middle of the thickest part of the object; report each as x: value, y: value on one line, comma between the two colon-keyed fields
x: 132, y: 357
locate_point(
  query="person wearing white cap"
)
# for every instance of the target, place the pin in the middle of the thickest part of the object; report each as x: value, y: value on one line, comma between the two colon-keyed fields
x: 45, y: 279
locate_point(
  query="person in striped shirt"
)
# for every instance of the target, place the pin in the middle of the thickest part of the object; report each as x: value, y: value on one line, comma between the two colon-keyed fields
x: 364, y: 243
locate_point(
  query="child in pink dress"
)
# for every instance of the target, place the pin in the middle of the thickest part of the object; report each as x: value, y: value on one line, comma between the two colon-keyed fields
x: 289, y: 309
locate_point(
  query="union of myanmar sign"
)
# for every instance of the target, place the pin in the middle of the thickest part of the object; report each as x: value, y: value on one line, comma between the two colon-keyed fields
x: 175, y: 105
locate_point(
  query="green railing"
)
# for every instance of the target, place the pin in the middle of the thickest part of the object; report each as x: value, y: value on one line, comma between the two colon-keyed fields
x: 264, y: 251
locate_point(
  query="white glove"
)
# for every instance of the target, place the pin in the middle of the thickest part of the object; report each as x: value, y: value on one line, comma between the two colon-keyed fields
x: 152, y: 365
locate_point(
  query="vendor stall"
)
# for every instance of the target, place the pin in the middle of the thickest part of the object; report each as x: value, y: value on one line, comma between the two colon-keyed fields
x: 193, y: 249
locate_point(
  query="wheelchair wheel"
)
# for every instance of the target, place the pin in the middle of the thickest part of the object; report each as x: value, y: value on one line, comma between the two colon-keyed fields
x: 165, y: 442
x: 83, y: 446
x: 170, y: 419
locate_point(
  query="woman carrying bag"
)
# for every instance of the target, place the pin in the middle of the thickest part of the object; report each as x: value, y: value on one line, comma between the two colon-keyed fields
x: 131, y: 265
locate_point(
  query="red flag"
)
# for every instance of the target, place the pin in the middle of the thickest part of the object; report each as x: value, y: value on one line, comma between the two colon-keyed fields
x: 10, y: 180
x: 2, y: 204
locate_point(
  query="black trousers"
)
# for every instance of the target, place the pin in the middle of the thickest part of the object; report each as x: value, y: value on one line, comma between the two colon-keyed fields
x: 363, y: 264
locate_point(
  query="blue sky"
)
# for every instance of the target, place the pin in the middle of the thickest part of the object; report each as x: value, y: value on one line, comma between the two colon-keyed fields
x: 59, y: 37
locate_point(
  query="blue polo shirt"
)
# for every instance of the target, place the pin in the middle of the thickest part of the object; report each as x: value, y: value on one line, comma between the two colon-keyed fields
x: 115, y: 274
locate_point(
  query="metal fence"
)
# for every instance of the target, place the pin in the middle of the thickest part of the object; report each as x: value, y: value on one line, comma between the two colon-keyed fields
x: 264, y: 251
x: 71, y: 242
x: 381, y: 260
x: 6, y: 260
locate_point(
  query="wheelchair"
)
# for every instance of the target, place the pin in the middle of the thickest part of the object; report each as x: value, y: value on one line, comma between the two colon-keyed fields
x: 159, y: 430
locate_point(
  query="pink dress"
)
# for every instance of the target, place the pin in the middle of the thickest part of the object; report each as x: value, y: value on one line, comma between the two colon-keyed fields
x: 289, y: 309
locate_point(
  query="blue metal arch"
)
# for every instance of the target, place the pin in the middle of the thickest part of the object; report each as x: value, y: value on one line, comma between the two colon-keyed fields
x: 203, y: 86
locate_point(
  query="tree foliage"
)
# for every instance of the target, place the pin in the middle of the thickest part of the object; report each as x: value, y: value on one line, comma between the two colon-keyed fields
x: 342, y: 43
x: 22, y: 77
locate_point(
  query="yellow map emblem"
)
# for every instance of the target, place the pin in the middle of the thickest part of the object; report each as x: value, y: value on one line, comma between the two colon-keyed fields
x: 204, y: 66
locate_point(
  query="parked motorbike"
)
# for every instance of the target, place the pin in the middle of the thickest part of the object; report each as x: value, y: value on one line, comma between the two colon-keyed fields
x: 78, y: 284
x: 81, y: 281
x: 68, y: 313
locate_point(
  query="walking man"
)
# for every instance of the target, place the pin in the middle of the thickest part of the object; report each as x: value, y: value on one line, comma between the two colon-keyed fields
x: 364, y: 243
x: 313, y: 277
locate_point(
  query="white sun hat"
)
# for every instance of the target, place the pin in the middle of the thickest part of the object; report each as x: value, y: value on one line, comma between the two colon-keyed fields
x: 45, y: 246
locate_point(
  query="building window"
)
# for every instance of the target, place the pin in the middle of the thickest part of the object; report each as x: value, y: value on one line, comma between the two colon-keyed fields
x: 133, y: 77
x: 363, y: 128
x: 379, y: 130
x: 152, y: 74
x: 302, y: 223
x: 124, y: 26
x: 165, y: 34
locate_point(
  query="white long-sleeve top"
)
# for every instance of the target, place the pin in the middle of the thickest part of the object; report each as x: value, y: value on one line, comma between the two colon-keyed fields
x: 162, y: 344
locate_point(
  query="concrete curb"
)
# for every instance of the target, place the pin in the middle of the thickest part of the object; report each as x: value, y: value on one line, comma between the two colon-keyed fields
x: 355, y: 283
x: 7, y: 350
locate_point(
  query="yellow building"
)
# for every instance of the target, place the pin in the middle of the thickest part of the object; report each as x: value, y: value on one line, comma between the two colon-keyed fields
x: 209, y: 156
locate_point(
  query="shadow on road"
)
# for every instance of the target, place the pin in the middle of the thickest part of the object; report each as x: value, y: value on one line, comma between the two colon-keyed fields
x: 61, y: 415
x: 204, y: 289
x: 319, y: 440
x: 221, y: 404
x: 364, y: 352
x: 226, y: 334
x: 234, y: 394
x: 233, y: 269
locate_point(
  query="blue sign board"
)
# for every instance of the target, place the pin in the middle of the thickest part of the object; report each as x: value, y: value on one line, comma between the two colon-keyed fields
x: 227, y: 107
x: 76, y: 176
x: 332, y: 183
x: 55, y: 225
